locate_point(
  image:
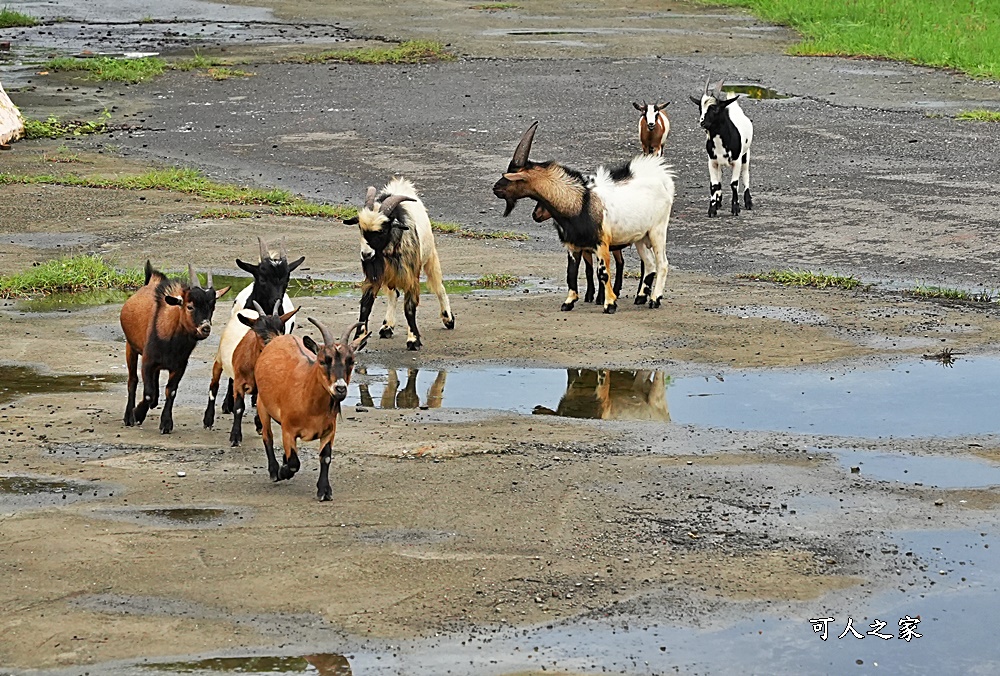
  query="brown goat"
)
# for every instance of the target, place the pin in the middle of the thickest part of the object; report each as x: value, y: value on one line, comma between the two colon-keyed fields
x: 263, y: 329
x: 654, y: 127
x: 302, y: 390
x: 162, y: 322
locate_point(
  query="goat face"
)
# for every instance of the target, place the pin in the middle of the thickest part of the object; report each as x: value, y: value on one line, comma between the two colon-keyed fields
x: 713, y: 111
x: 382, y: 228
x: 649, y: 112
x: 267, y: 326
x: 197, y: 305
x: 271, y: 275
x: 336, y: 359
x: 515, y: 184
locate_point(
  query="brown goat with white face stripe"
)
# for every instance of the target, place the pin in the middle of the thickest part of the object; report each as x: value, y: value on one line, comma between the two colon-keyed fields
x: 302, y: 390
x: 653, y: 127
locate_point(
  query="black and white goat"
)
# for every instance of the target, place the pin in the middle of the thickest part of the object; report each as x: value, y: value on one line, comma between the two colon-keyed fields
x: 627, y: 205
x: 653, y: 127
x: 396, y: 244
x: 730, y: 133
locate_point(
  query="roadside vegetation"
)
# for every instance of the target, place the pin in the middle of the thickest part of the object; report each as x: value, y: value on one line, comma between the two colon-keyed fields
x: 54, y: 127
x: 69, y: 274
x: 979, y: 115
x: 462, y: 231
x: 945, y: 293
x: 11, y: 19
x: 944, y: 33
x: 412, y: 51
x: 104, y: 68
x: 497, y: 281
x: 805, y: 278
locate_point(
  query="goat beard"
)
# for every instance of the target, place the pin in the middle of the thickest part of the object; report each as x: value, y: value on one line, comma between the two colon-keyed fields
x: 510, y: 206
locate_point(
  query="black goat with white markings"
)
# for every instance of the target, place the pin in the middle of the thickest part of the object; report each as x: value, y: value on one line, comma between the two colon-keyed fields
x: 729, y: 133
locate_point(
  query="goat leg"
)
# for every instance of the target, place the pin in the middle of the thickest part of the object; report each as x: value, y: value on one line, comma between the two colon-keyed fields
x: 410, y: 310
x: 619, y: 270
x: 213, y: 392
x: 132, y: 359
x: 267, y: 434
x: 239, y: 406
x: 572, y: 273
x: 603, y: 277
x: 369, y: 289
x: 169, y: 394
x: 227, y: 402
x: 324, y: 492
x: 291, y: 464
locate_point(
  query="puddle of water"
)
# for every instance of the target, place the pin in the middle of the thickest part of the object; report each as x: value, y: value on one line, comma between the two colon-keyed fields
x: 62, y: 302
x: 753, y: 91
x: 25, y: 485
x: 21, y: 492
x: 177, y: 517
x: 934, y: 471
x: 190, y: 515
x: 911, y: 399
x: 324, y: 664
x: 17, y: 381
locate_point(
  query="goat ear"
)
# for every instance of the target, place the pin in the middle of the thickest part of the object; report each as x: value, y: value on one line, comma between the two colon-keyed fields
x: 245, y: 320
x: 695, y: 101
x: 400, y: 226
x: 248, y: 267
x: 661, y: 106
x: 221, y: 292
x: 728, y: 101
x: 288, y: 315
x: 173, y: 300
x: 296, y: 263
x: 637, y: 107
x: 310, y: 344
x: 353, y: 220
x: 516, y: 176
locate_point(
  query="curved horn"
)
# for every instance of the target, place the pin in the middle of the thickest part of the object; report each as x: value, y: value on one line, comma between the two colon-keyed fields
x: 391, y: 202
x: 193, y: 278
x: 211, y: 284
x: 370, y: 198
x: 523, y: 148
x: 718, y: 90
x: 258, y: 308
x: 327, y: 338
x: 707, y: 80
x: 277, y: 307
x: 281, y: 250
x: 347, y: 334
x: 264, y: 255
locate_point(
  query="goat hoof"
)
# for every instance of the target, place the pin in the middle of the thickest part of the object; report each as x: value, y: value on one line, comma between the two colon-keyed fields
x: 256, y: 423
x: 235, y: 440
x: 736, y: 209
x: 166, y: 426
x: 589, y: 297
x: 285, y: 472
x: 611, y: 309
x: 227, y: 406
x: 385, y: 332
x: 655, y: 303
x: 448, y: 321
x: 413, y: 345
x: 641, y: 300
x: 324, y: 494
x: 566, y: 307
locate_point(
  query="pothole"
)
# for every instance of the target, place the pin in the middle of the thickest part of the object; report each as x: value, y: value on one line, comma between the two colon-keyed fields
x: 19, y: 491
x: 217, y: 516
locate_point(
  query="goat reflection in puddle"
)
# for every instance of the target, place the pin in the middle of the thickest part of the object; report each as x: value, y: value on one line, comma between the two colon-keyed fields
x: 393, y: 397
x: 612, y: 395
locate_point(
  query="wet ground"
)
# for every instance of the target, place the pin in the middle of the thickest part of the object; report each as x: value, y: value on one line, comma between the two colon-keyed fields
x: 685, y: 490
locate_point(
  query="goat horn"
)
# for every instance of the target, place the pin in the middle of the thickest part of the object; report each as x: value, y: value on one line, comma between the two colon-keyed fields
x: 718, y: 90
x: 277, y: 307
x: 281, y: 251
x: 327, y: 338
x: 193, y: 278
x: 370, y: 198
x: 347, y: 334
x: 523, y: 148
x: 264, y: 255
x: 707, y: 81
x: 391, y: 202
x: 211, y: 284
x: 258, y: 308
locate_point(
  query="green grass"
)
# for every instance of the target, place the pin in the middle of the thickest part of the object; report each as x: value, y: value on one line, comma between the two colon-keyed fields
x: 979, y: 115
x: 104, y: 68
x: 11, y: 19
x: 959, y: 34
x: 69, y: 274
x: 495, y: 6
x: 804, y: 278
x: 497, y: 281
x: 53, y: 127
x: 944, y: 293
x: 413, y: 51
x: 462, y: 231
x: 196, y: 62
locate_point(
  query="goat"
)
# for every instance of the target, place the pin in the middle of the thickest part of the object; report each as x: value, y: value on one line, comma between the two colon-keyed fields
x: 239, y: 346
x: 730, y: 133
x: 627, y: 205
x: 269, y: 285
x: 162, y: 322
x: 302, y: 387
x: 396, y: 243
x: 612, y: 395
x: 540, y: 214
x: 653, y: 127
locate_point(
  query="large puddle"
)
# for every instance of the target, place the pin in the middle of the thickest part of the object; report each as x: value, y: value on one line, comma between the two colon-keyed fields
x: 325, y: 664
x: 17, y: 381
x: 186, y: 516
x: 22, y: 491
x: 911, y: 399
x: 921, y: 470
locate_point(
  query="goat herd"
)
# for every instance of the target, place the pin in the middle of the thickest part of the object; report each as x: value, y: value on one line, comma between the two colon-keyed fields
x: 300, y: 383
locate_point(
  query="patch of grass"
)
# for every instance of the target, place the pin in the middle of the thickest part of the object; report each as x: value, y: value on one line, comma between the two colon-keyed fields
x: 951, y: 294
x: 53, y: 127
x: 979, y: 115
x: 805, y: 278
x: 69, y: 274
x: 11, y: 19
x: 225, y: 212
x: 105, y: 68
x: 195, y: 62
x: 187, y: 181
x: 495, y: 6
x: 308, y: 209
x: 412, y: 51
x: 959, y: 34
x: 462, y: 231
x: 224, y: 73
x: 497, y: 281
x: 62, y: 155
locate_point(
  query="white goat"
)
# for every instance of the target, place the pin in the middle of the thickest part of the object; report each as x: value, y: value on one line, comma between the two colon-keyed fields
x: 730, y: 133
